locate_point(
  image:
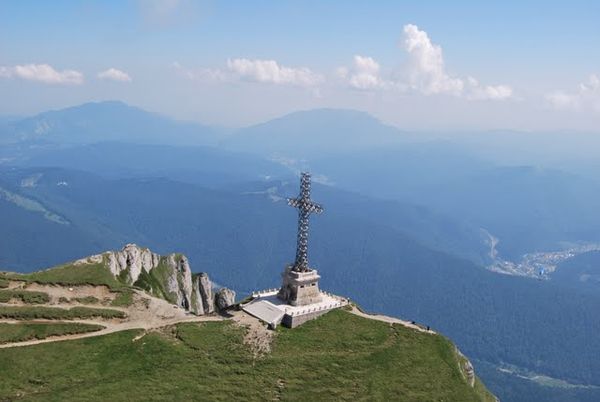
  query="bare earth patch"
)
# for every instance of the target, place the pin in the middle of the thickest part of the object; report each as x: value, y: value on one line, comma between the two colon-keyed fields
x: 258, y: 337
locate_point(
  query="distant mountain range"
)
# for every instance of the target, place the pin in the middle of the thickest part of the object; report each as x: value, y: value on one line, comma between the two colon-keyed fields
x: 306, y: 134
x: 104, y: 121
x: 409, y: 226
x: 524, y: 208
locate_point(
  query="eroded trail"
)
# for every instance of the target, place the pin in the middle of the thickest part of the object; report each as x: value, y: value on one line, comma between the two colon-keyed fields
x: 146, y: 312
x: 109, y: 329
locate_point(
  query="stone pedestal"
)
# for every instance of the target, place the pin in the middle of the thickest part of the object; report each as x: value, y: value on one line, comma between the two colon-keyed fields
x: 300, y: 288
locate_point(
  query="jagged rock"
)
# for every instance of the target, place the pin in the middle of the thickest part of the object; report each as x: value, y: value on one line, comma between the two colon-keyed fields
x: 197, y: 306
x: 205, y: 287
x: 467, y: 368
x: 202, y: 300
x: 470, y: 372
x: 224, y: 298
x: 179, y: 282
x: 169, y: 277
x: 132, y: 258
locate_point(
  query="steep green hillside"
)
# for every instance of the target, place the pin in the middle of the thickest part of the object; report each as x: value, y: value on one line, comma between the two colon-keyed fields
x: 337, y: 357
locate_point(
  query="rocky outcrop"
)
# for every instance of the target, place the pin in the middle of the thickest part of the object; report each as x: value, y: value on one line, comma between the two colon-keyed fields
x: 179, y: 280
x: 466, y: 367
x: 168, y: 277
x: 130, y: 262
x: 224, y: 298
x: 203, y: 300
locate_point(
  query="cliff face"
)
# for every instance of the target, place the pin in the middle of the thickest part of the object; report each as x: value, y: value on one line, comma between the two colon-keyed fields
x: 203, y: 301
x: 168, y: 277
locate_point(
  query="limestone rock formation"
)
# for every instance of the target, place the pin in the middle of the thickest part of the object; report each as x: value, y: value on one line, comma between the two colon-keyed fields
x: 168, y: 277
x: 131, y: 260
x: 466, y: 367
x: 203, y: 299
x: 224, y: 298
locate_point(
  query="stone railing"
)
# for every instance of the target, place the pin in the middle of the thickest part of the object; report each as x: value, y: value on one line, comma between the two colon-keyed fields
x: 332, y: 295
x: 259, y: 293
x: 309, y: 310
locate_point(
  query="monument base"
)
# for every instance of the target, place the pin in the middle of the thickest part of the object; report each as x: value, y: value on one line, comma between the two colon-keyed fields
x: 300, y: 288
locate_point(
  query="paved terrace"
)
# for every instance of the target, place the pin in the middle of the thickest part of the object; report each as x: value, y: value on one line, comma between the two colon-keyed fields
x: 267, y: 307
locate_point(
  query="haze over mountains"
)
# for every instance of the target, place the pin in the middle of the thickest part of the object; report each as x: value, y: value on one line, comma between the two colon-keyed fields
x: 423, y: 216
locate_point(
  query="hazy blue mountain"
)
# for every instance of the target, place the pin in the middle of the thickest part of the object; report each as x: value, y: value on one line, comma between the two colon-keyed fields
x: 196, y: 164
x: 105, y: 121
x: 526, y: 208
x: 314, y: 132
x: 73, y: 193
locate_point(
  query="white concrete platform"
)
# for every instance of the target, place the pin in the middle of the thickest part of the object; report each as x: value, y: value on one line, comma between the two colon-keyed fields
x: 268, y: 307
x: 265, y: 311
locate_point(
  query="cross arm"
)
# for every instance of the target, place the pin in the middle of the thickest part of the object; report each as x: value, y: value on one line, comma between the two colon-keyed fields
x: 302, y: 204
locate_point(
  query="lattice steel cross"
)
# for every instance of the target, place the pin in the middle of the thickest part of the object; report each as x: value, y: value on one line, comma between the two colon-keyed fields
x: 305, y: 207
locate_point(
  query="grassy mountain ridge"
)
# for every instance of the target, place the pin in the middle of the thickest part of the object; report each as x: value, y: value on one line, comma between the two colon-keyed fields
x: 336, y: 357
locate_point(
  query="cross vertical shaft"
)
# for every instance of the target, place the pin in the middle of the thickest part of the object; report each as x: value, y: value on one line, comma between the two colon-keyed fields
x: 305, y: 207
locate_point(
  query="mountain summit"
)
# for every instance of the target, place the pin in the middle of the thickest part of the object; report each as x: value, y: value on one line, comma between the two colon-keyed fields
x: 318, y: 131
x: 105, y: 121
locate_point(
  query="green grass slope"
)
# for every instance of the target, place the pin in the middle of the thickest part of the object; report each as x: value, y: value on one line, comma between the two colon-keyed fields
x: 339, y: 356
x: 25, y: 331
x: 70, y: 275
x: 57, y: 313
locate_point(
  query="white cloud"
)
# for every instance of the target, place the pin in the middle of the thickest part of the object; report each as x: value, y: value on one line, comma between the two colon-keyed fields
x: 475, y: 91
x: 206, y: 75
x: 424, y: 73
x: 586, y: 97
x: 427, y: 72
x: 364, y: 74
x: 269, y: 71
x: 42, y: 73
x: 114, y: 74
x: 261, y: 71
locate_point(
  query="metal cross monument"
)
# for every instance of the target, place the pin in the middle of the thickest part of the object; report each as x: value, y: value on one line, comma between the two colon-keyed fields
x: 305, y: 206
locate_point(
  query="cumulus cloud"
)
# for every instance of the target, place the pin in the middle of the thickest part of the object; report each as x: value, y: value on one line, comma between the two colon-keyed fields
x: 476, y: 91
x: 269, y: 71
x: 114, y: 74
x: 259, y: 71
x: 427, y: 71
x: 41, y: 73
x: 364, y: 74
x: 587, y: 96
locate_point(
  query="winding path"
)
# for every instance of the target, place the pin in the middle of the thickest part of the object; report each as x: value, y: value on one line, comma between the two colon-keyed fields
x: 388, y: 319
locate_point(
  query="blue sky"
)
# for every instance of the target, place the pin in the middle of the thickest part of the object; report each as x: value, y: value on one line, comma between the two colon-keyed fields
x: 418, y: 65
